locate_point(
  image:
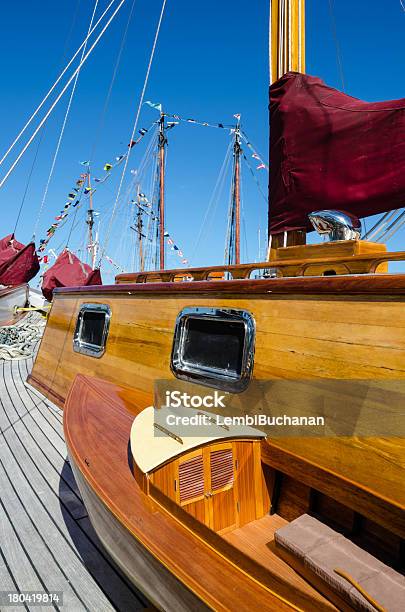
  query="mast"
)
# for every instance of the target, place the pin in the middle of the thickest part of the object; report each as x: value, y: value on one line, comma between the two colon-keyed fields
x: 237, y: 151
x: 232, y: 247
x: 140, y: 233
x: 286, y: 53
x: 90, y: 222
x: 162, y: 144
x: 286, y: 37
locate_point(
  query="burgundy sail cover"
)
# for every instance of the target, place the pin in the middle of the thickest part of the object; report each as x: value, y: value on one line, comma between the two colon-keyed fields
x: 18, y: 263
x: 331, y: 151
x: 68, y: 271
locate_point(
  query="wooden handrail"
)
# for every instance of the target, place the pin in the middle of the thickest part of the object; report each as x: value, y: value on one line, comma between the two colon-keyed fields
x: 367, y: 262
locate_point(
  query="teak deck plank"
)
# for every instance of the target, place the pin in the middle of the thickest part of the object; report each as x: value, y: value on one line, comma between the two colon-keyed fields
x: 46, y: 540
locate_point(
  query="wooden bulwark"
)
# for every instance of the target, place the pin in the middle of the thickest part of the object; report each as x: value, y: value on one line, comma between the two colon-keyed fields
x: 317, y: 264
x: 46, y: 540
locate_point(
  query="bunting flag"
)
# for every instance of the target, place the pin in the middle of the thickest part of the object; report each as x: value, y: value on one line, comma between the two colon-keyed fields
x: 85, y: 163
x: 144, y: 202
x: 265, y: 197
x: 157, y: 107
x: 237, y: 116
x: 107, y: 167
x: 73, y: 200
x: 255, y: 154
x: 114, y: 264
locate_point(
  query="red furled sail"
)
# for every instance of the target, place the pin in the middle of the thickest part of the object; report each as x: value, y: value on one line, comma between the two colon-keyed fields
x: 331, y: 151
x: 68, y: 271
x: 18, y: 263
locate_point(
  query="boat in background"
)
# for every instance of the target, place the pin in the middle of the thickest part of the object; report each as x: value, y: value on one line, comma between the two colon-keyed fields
x: 69, y: 271
x: 18, y: 265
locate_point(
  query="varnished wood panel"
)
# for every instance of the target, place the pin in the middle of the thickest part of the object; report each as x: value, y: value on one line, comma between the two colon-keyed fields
x: 298, y: 337
x: 354, y: 472
x: 97, y: 426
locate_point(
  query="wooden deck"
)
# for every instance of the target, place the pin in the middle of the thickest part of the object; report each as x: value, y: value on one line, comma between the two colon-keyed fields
x: 46, y: 540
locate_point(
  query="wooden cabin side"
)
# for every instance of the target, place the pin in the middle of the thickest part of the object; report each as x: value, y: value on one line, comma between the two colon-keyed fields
x: 306, y: 329
x: 340, y: 327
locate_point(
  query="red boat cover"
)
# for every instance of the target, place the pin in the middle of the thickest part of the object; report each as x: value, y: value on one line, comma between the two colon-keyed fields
x: 18, y: 263
x: 331, y: 151
x: 68, y: 271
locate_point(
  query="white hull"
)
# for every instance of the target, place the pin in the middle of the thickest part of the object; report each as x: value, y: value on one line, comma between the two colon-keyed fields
x: 10, y: 298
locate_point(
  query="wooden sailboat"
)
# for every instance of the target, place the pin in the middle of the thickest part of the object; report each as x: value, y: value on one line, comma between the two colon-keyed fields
x: 18, y: 264
x: 243, y: 518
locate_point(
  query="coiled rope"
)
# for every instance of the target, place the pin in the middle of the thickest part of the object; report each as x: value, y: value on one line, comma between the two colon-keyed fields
x: 19, y: 341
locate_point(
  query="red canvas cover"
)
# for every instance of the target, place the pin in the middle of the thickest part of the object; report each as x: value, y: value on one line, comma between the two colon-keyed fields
x: 18, y: 263
x: 68, y: 271
x: 331, y: 151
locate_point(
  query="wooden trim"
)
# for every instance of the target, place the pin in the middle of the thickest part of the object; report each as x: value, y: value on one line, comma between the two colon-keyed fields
x: 378, y: 284
x: 46, y: 390
x: 9, y: 290
x: 353, y: 495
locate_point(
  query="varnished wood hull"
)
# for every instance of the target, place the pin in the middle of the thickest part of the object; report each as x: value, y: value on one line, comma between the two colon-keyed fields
x: 179, y: 563
x: 10, y: 298
x: 142, y: 569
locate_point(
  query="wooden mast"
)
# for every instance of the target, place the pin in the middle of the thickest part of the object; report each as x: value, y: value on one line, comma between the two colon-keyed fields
x: 237, y: 152
x: 162, y: 144
x: 90, y: 222
x: 286, y: 53
x: 140, y: 234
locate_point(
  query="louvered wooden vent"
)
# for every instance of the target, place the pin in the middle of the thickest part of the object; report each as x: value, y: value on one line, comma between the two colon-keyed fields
x: 191, y: 478
x: 222, y: 473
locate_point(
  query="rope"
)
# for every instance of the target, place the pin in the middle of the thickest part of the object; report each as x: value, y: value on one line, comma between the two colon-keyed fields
x: 19, y: 341
x: 337, y: 46
x: 360, y: 589
x: 110, y: 88
x: 53, y: 87
x: 60, y: 95
x: 62, y: 131
x: 135, y: 125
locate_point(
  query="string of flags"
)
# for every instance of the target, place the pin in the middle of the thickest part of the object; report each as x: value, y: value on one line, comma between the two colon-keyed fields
x: 262, y: 164
x: 73, y: 200
x: 144, y: 202
x: 113, y: 263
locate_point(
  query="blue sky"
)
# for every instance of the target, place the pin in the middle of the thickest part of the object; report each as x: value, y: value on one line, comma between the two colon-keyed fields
x: 211, y: 62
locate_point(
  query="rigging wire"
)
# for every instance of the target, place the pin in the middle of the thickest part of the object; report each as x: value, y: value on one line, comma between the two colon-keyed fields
x: 114, y: 75
x: 67, y: 41
x: 381, y: 224
x: 392, y: 226
x: 28, y: 182
x: 210, y: 211
x: 54, y: 85
x: 62, y: 131
x: 336, y: 41
x: 60, y: 95
x: 135, y: 125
